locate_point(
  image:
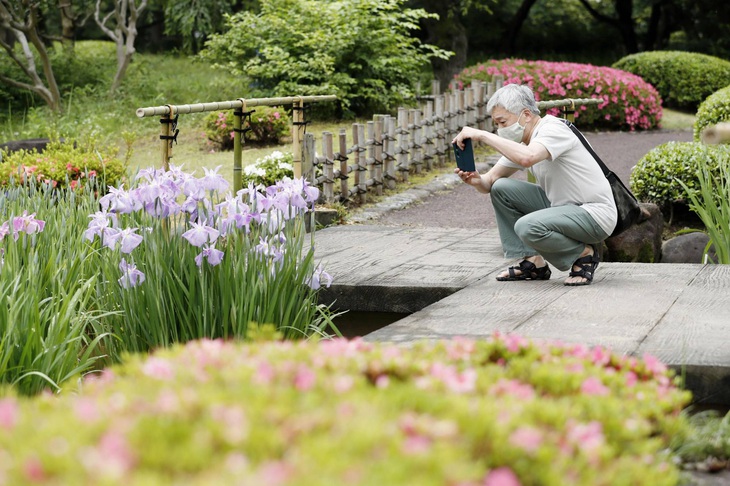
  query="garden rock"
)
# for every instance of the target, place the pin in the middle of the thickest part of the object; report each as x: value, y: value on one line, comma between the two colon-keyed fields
x: 686, y: 248
x: 642, y: 243
x: 37, y: 144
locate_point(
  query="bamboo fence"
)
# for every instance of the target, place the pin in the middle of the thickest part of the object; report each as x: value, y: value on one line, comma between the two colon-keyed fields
x: 384, y: 151
x: 379, y: 153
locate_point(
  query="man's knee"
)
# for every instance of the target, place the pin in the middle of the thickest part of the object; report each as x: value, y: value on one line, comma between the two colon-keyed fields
x: 529, y: 228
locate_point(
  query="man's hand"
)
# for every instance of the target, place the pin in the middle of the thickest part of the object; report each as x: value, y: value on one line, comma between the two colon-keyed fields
x: 472, y: 178
x: 466, y: 132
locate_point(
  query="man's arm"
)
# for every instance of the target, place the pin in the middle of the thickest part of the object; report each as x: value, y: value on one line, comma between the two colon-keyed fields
x: 523, y: 155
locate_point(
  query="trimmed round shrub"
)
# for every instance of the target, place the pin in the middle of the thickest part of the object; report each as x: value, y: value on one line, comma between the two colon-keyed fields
x: 268, y: 126
x: 64, y: 163
x: 656, y: 176
x: 628, y: 101
x: 683, y: 79
x: 500, y: 411
x: 715, y: 109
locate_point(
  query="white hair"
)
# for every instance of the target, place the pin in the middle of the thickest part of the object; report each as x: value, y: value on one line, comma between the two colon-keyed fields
x: 514, y: 98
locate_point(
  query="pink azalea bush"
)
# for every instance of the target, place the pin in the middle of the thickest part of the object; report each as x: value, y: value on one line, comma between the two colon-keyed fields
x: 268, y: 125
x: 498, y: 412
x: 629, y: 103
x: 74, y: 164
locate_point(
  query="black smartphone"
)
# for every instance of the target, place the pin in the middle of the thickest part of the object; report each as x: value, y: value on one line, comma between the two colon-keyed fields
x: 465, y: 158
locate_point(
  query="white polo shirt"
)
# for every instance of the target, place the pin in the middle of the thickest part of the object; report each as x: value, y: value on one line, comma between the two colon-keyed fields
x: 571, y: 175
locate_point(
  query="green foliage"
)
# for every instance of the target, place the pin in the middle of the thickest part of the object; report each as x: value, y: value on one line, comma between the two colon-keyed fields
x: 498, y: 411
x: 63, y: 163
x: 628, y: 101
x: 268, y: 125
x: 715, y: 109
x: 50, y: 328
x: 268, y: 170
x: 89, y: 66
x: 360, y: 50
x: 683, y: 79
x: 207, y: 264
x: 669, y: 172
x: 193, y: 20
x: 711, y: 202
x: 709, y: 437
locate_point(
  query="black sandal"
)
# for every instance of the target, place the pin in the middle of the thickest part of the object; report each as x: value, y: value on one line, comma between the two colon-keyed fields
x: 588, y: 265
x: 529, y: 272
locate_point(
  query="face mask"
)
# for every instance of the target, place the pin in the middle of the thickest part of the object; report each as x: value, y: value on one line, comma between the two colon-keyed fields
x: 513, y: 132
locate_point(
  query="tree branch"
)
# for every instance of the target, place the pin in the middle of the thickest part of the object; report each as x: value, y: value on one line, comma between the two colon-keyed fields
x: 598, y: 15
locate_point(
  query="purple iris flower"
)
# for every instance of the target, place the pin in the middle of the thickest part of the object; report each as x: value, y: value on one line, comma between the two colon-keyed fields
x: 121, y: 201
x: 213, y: 181
x: 211, y: 254
x: 4, y: 230
x: 200, y: 233
x: 27, y: 223
x: 319, y: 278
x: 131, y: 277
x: 129, y: 239
x: 100, y: 220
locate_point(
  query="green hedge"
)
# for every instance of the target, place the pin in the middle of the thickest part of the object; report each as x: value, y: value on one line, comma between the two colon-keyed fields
x: 715, y: 109
x: 684, y: 79
x: 498, y: 411
x: 628, y: 101
x: 656, y: 176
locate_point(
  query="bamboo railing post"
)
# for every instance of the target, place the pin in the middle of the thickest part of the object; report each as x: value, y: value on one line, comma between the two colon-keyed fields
x: 389, y: 149
x: 342, y: 156
x: 297, y: 133
x: 461, y: 110
x: 166, y: 142
x: 309, y: 155
x: 403, y: 143
x: 414, y: 125
x: 370, y: 143
x: 238, y: 146
x: 469, y: 107
x: 378, y: 154
x: 362, y: 187
x: 435, y: 87
x: 439, y: 128
x: 428, y: 136
x: 328, y: 167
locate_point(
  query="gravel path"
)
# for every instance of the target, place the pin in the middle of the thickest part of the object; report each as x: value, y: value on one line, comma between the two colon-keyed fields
x: 461, y: 206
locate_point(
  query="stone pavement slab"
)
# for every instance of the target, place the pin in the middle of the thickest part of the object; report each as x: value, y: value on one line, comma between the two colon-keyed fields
x: 445, y: 278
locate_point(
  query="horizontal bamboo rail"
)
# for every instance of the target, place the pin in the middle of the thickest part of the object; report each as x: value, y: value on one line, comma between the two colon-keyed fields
x: 169, y: 114
x: 229, y: 105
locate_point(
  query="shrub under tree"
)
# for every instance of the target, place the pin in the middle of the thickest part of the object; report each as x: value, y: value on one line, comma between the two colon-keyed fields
x: 684, y: 79
x: 362, y: 51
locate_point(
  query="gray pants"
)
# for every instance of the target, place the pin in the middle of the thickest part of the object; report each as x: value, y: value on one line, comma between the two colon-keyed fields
x: 529, y: 226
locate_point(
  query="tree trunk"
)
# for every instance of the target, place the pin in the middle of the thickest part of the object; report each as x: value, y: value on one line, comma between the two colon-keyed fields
x: 512, y: 32
x: 625, y: 11
x: 23, y: 24
x: 68, y: 24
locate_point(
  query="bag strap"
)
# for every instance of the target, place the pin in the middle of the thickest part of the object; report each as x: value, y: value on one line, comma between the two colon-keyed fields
x: 588, y: 147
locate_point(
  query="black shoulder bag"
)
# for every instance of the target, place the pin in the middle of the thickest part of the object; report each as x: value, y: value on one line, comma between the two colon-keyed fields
x: 627, y: 206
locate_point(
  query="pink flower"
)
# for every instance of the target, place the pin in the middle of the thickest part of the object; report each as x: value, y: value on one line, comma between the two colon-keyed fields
x: 526, y: 438
x: 8, y: 413
x: 33, y: 470
x: 593, y: 386
x: 277, y: 115
x: 502, y: 476
x: 654, y: 365
x: 159, y: 368
x: 304, y: 379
